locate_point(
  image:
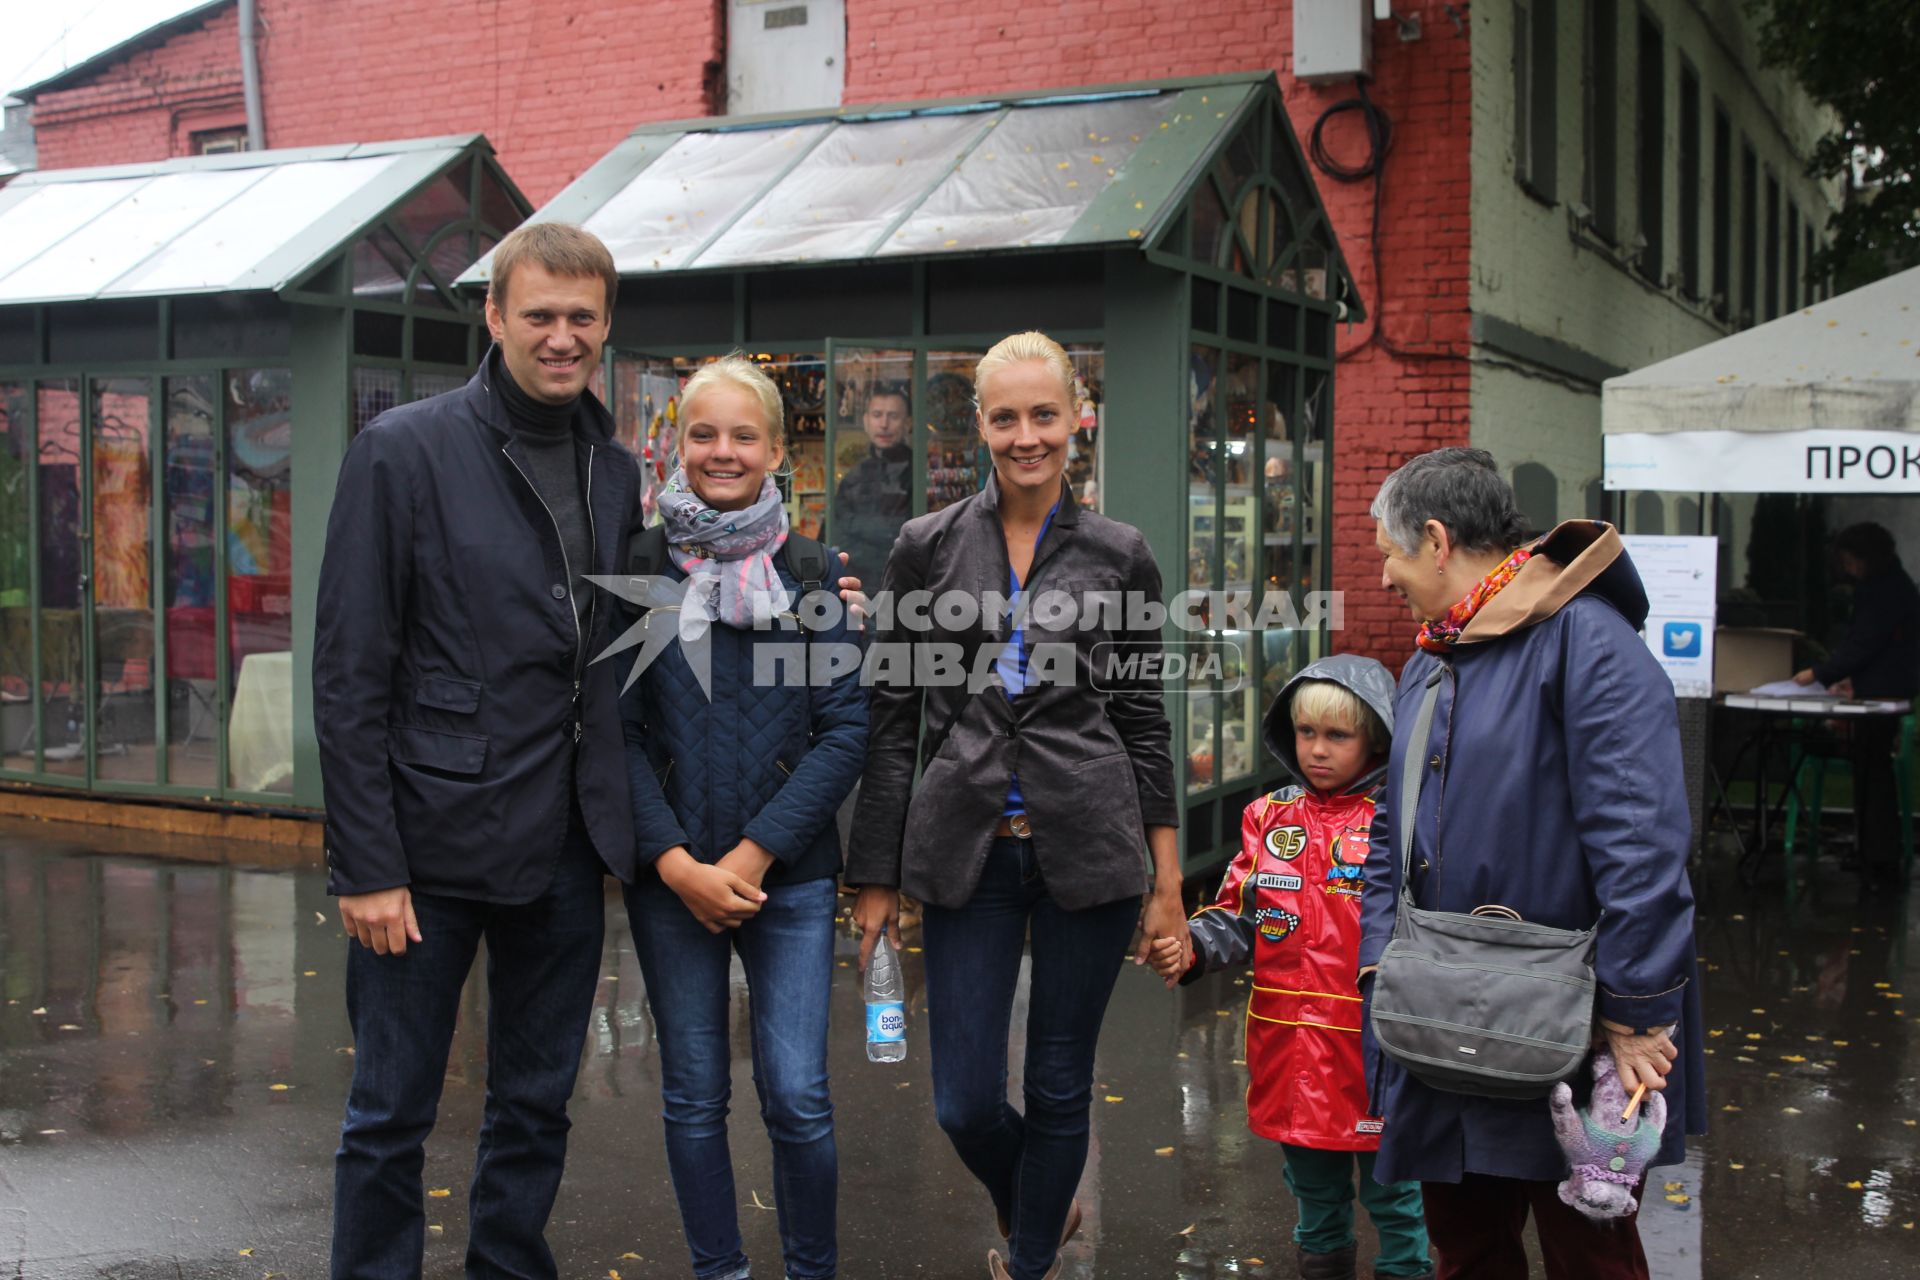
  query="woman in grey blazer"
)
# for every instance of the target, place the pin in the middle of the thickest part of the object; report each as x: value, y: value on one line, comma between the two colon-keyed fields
x: 1046, y: 804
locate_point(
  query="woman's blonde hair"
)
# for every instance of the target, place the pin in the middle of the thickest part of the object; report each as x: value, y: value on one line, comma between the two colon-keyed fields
x: 743, y: 374
x: 1329, y: 702
x: 1031, y: 345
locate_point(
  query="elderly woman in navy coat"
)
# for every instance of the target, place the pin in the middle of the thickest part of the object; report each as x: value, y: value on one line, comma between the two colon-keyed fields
x: 1557, y: 793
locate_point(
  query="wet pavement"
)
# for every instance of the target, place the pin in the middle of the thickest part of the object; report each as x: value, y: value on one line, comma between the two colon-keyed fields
x: 174, y: 1054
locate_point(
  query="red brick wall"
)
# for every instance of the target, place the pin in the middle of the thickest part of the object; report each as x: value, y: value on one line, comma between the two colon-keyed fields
x: 1387, y: 406
x: 553, y: 88
x: 147, y: 106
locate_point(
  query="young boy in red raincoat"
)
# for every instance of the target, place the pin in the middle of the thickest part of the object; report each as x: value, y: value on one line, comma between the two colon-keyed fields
x: 1290, y: 905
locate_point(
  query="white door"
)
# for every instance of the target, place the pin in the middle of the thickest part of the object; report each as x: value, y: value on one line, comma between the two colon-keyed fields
x: 785, y: 55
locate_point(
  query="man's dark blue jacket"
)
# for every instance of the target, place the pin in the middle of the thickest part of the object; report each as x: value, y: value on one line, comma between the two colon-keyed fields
x: 450, y: 720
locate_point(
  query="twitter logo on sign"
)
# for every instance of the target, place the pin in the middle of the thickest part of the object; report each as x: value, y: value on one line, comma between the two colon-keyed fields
x: 1680, y: 639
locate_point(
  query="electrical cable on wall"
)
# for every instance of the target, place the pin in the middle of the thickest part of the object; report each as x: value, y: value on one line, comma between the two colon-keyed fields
x: 1379, y: 127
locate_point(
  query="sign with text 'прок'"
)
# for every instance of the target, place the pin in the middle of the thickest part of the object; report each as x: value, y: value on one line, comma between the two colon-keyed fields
x: 1763, y: 461
x: 1681, y: 577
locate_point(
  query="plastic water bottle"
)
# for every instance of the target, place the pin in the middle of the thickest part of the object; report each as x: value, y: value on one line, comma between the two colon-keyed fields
x: 886, y: 1005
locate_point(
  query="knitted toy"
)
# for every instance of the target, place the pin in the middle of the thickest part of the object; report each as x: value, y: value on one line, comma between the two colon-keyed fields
x: 1608, y: 1154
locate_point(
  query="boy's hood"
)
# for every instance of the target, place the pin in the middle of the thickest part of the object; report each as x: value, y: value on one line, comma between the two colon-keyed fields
x: 1577, y: 556
x: 1362, y: 677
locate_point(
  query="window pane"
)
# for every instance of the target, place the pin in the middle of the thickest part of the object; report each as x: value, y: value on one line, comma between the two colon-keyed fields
x: 497, y: 208
x: 380, y: 267
x: 98, y: 252
x: 259, y: 587
x: 374, y: 392
x: 1240, y: 747
x: 646, y: 403
x: 16, y: 580
x: 1203, y: 716
x: 123, y: 580
x: 1084, y: 451
x: 193, y: 710
x: 443, y: 203
x: 957, y: 462
x: 693, y: 189
x: 1209, y: 223
x: 426, y: 385
x: 62, y: 689
x: 1029, y: 180
x: 1203, y: 471
x: 1314, y: 409
x: 840, y: 199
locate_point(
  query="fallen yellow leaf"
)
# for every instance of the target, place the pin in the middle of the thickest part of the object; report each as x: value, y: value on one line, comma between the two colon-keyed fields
x: 246, y: 1253
x: 1187, y: 1230
x: 1676, y: 1186
x: 279, y: 1088
x: 631, y: 1255
x: 1730, y: 1107
x: 1789, y: 1111
x: 1735, y: 1164
x: 1163, y: 1151
x: 1679, y: 1199
x: 440, y: 1193
x: 1114, y: 1097
x: 1856, y: 1185
x: 309, y: 973
x: 1793, y: 1057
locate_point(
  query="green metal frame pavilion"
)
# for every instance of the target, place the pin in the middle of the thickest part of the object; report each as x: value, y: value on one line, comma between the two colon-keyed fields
x: 1168, y: 233
x: 185, y: 351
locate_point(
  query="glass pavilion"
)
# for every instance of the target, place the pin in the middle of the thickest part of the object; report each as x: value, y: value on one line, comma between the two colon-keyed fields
x: 185, y: 349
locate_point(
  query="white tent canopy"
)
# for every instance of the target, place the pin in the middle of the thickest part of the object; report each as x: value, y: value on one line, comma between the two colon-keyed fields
x: 1825, y: 400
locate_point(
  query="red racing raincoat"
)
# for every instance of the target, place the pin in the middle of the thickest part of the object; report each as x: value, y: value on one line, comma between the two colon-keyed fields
x: 1290, y: 904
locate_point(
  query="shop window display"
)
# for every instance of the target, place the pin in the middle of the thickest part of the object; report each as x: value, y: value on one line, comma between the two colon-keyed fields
x: 63, y: 711
x: 192, y: 688
x: 872, y: 454
x: 16, y: 578
x: 259, y: 503
x: 122, y: 580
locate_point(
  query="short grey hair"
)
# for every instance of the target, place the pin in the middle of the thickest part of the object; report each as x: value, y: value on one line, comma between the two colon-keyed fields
x: 1462, y: 489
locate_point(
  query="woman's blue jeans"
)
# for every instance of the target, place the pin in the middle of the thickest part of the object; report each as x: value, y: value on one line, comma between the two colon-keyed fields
x: 787, y: 950
x: 1030, y: 1164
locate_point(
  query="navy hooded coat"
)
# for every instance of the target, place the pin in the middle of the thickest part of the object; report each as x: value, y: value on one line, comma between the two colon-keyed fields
x: 1557, y: 792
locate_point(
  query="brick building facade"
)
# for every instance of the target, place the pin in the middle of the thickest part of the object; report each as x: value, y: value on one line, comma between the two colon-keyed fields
x: 554, y: 91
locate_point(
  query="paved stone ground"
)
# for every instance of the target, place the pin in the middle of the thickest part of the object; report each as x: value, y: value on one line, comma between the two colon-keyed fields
x: 174, y: 1053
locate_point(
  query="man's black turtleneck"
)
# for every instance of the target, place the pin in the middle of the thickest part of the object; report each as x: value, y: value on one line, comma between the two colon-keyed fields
x: 545, y: 433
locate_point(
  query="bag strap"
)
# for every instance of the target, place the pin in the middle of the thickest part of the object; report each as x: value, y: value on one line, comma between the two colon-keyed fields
x: 647, y: 551
x: 1412, y: 770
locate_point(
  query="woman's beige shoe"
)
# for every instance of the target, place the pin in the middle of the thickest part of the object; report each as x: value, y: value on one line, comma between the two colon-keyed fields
x: 997, y: 1270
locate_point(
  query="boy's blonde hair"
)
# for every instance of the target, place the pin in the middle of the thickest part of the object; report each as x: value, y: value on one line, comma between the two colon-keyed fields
x: 1330, y: 702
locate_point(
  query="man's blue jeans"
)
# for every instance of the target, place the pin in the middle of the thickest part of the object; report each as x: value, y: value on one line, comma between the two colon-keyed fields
x: 1030, y: 1164
x: 787, y: 951
x: 543, y: 964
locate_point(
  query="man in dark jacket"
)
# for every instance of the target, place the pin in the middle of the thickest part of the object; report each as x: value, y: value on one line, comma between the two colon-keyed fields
x: 472, y: 757
x: 876, y: 495
x: 1879, y: 657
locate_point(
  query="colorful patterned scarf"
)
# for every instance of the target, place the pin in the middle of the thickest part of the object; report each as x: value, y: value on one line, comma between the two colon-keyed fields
x: 727, y: 555
x: 1437, y: 635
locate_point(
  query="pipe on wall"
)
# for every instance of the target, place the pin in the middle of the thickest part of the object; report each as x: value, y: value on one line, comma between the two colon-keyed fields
x: 250, y: 78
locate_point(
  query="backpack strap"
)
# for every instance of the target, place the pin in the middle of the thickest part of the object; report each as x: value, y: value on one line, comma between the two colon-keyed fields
x: 647, y: 551
x: 808, y: 560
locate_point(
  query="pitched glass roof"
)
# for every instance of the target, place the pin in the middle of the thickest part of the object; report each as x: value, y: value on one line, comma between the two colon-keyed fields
x: 207, y: 224
x: 1079, y: 168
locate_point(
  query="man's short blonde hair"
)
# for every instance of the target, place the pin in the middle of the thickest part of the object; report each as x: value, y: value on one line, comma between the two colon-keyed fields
x: 1329, y: 702
x: 558, y: 248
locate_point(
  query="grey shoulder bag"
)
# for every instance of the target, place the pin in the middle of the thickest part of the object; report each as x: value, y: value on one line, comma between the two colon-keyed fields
x: 1483, y: 1003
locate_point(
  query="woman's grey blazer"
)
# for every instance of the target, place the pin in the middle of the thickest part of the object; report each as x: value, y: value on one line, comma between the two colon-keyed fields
x: 1089, y: 737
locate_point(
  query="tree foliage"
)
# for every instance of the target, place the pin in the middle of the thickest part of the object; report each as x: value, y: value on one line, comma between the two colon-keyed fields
x: 1862, y: 59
